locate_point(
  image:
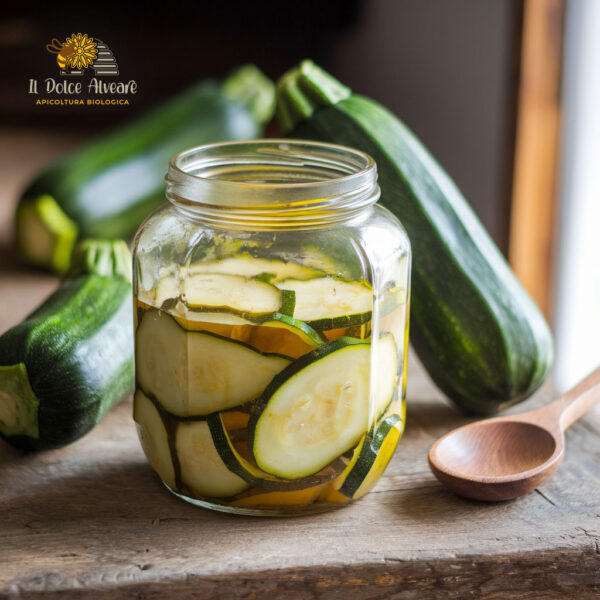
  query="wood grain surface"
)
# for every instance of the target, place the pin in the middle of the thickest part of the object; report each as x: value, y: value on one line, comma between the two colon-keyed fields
x: 93, y: 521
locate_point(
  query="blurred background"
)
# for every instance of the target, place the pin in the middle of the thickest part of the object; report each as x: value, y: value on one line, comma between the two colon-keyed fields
x: 503, y: 92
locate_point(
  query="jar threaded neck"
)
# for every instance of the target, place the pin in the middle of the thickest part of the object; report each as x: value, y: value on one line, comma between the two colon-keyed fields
x: 272, y: 183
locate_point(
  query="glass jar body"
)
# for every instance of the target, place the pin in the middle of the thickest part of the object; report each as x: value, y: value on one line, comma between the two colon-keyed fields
x: 270, y: 364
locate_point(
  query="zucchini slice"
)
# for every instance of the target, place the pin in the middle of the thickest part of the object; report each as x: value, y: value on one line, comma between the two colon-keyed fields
x: 295, y: 498
x: 234, y: 419
x: 269, y: 270
x: 167, y: 288
x: 153, y: 437
x: 314, y: 410
x: 196, y: 373
x: 371, y: 458
x: 202, y: 470
x: 330, y: 303
x: 281, y: 335
x: 284, y: 335
x: 216, y: 292
x: 234, y: 293
x: 233, y: 457
x: 387, y: 366
x: 223, y: 324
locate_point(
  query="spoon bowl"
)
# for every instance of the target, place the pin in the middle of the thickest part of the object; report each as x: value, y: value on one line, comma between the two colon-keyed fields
x: 495, y: 459
x: 505, y: 457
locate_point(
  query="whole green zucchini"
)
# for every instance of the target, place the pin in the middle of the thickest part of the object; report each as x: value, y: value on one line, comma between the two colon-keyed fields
x: 71, y: 360
x: 108, y: 187
x: 479, y: 335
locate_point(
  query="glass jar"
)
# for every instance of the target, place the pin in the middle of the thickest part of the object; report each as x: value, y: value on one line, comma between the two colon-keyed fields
x: 271, y: 318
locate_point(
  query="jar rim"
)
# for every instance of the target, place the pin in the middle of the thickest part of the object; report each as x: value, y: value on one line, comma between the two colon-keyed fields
x: 272, y: 179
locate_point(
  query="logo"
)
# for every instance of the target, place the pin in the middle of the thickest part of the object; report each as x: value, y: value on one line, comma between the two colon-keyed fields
x: 79, y: 52
x: 77, y: 55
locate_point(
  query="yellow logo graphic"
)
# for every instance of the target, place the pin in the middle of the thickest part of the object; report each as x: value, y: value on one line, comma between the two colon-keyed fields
x: 80, y: 51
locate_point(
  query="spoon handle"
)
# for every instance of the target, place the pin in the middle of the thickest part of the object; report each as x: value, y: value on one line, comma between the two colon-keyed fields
x: 572, y: 405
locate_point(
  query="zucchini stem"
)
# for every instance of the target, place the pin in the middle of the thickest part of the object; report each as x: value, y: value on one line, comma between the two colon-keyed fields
x: 18, y: 403
x: 45, y: 234
x: 302, y: 90
x: 252, y: 88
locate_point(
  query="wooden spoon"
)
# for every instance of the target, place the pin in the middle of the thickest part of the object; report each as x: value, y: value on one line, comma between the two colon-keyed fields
x: 505, y: 457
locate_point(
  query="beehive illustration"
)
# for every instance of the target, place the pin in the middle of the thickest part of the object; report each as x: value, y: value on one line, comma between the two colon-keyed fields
x: 105, y: 64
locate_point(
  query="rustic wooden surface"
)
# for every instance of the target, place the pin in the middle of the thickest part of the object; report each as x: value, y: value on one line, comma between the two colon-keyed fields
x: 93, y: 521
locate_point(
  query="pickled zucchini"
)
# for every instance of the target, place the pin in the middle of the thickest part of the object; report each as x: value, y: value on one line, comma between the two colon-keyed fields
x: 284, y: 335
x: 385, y: 383
x: 317, y: 408
x: 153, y: 437
x: 254, y: 475
x: 202, y: 469
x: 196, y: 373
x: 372, y: 457
x: 240, y: 295
x: 281, y: 334
x: 270, y: 270
x: 252, y: 408
x: 330, y: 302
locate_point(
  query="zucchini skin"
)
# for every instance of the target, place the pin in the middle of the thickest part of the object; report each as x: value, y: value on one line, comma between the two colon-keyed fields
x: 476, y: 330
x: 77, y: 348
x: 109, y: 186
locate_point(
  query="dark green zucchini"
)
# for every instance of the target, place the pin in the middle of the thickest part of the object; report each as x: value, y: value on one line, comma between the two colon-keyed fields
x: 108, y: 187
x: 71, y: 360
x: 480, y: 336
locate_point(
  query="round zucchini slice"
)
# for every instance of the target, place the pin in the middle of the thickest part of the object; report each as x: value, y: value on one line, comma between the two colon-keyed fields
x: 265, y: 269
x: 330, y: 303
x: 153, y: 437
x: 196, y: 373
x: 246, y: 297
x: 244, y: 468
x: 202, y: 470
x: 314, y: 411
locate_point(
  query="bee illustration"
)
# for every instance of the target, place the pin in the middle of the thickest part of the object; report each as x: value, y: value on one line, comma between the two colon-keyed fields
x: 63, y: 52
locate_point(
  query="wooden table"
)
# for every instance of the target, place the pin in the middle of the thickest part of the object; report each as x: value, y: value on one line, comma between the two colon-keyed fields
x: 93, y: 521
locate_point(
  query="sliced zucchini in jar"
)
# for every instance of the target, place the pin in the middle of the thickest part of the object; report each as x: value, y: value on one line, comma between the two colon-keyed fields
x: 234, y: 419
x: 242, y: 466
x: 284, y: 335
x: 202, y: 470
x: 329, y: 302
x: 295, y: 498
x: 223, y: 324
x: 246, y: 297
x: 270, y: 270
x: 373, y: 458
x: 279, y: 335
x: 314, y: 410
x: 386, y: 364
x: 196, y: 373
x: 153, y: 437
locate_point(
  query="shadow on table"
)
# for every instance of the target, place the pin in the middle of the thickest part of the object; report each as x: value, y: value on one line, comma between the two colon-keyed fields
x: 107, y: 497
